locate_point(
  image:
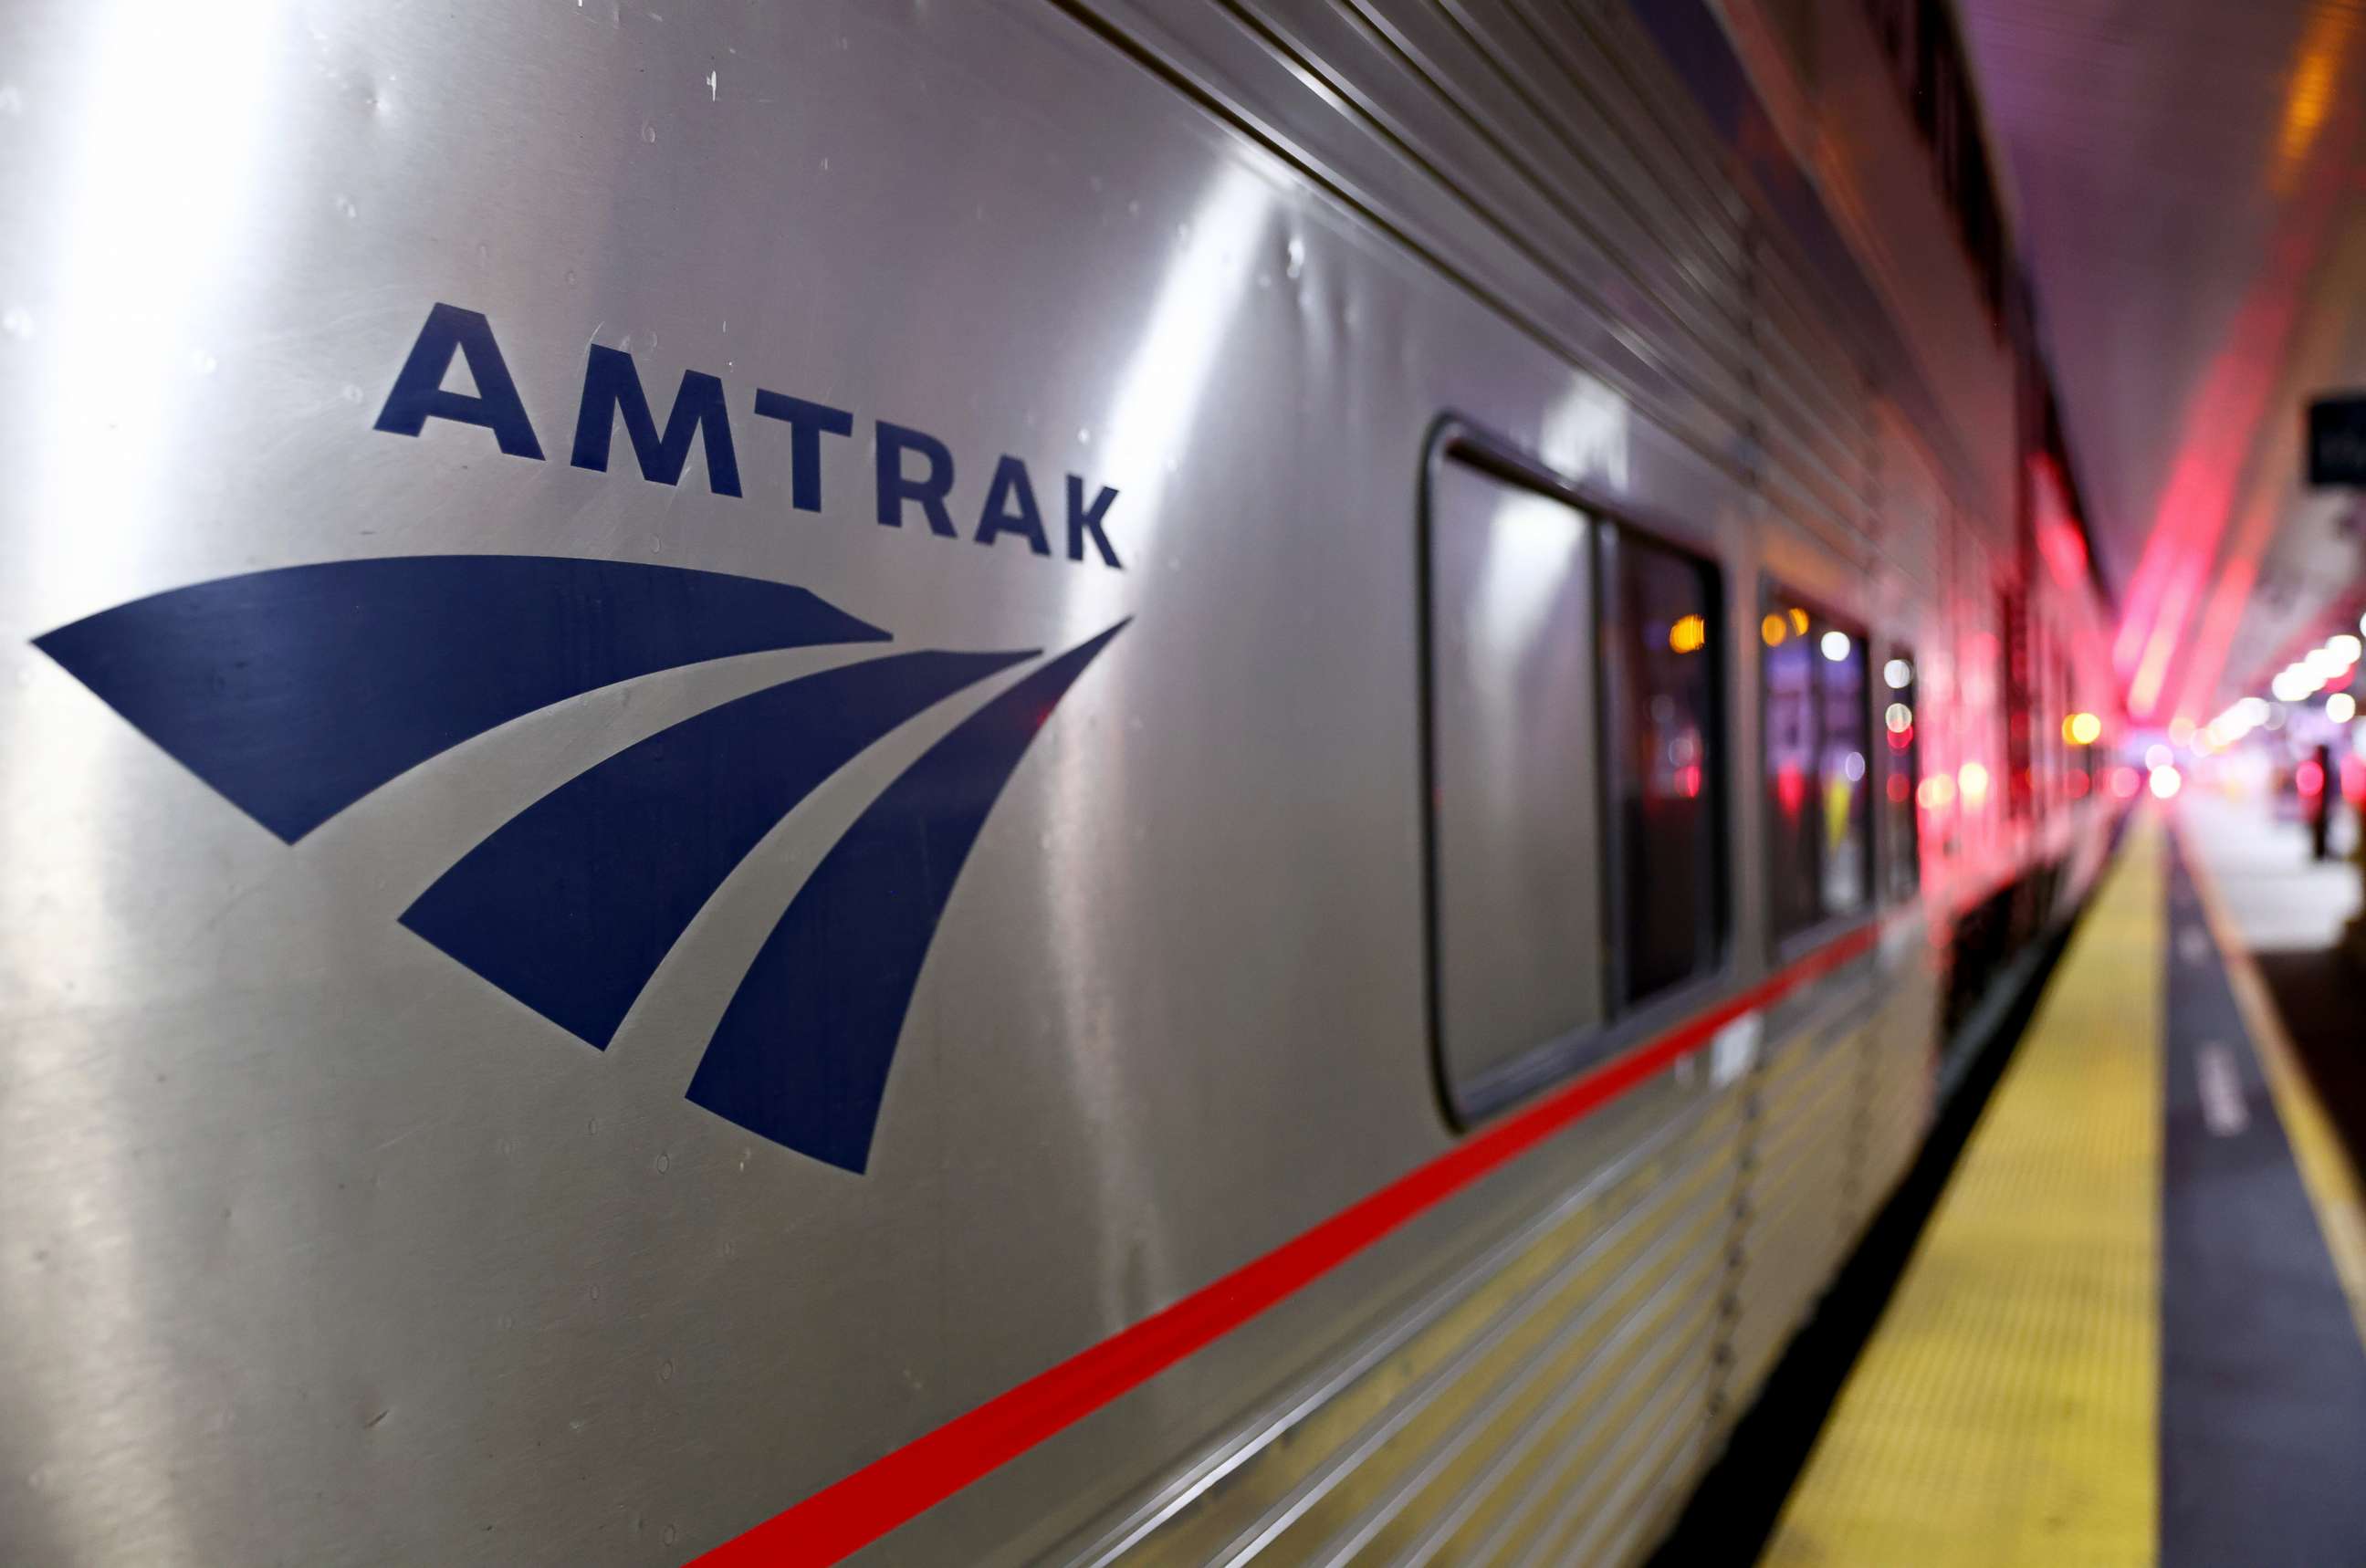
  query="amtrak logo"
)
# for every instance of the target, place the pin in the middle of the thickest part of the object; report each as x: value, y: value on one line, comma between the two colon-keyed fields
x: 295, y: 693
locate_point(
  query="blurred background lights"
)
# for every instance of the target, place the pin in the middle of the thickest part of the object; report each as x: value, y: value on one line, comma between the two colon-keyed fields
x: 2166, y: 782
x: 2342, y: 707
x: 1898, y: 673
x: 2158, y: 756
x: 2082, y: 729
x: 2293, y: 684
x: 1836, y: 646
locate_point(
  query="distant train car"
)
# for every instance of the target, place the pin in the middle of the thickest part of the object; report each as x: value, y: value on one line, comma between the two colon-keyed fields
x: 999, y: 782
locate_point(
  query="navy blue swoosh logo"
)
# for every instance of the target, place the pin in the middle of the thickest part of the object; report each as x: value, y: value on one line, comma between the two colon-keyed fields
x: 297, y: 692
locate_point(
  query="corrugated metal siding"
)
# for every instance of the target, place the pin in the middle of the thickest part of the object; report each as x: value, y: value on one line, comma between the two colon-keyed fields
x: 1796, y: 1167
x: 1557, y: 1389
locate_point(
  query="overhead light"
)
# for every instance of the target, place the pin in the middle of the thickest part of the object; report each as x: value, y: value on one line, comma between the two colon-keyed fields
x: 2293, y: 684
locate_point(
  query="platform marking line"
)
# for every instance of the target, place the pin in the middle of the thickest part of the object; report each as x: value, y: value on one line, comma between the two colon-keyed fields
x: 2220, y: 1082
x: 2327, y: 1171
x: 2006, y: 1410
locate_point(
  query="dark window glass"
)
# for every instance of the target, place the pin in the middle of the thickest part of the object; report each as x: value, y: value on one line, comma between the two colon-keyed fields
x: 1661, y: 664
x: 1901, y: 744
x: 1818, y: 767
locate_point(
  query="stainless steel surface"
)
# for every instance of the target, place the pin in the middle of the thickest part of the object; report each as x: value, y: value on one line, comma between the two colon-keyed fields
x: 314, y: 1247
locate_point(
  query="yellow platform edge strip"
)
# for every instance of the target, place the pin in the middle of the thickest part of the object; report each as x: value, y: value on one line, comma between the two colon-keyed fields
x: 2326, y: 1168
x: 2007, y: 1409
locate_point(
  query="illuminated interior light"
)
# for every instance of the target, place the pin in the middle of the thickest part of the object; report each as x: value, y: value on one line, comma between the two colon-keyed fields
x: 1898, y: 673
x: 1898, y: 717
x: 1688, y: 635
x: 1773, y: 631
x: 1853, y: 766
x: 2082, y: 729
x: 1799, y: 621
x: 2166, y: 781
x: 2342, y: 707
x: 2323, y: 663
x: 1972, y: 780
x: 2345, y: 647
x: 1836, y: 646
x: 1936, y: 793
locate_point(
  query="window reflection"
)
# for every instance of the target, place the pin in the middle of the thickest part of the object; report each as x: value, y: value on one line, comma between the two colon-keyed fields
x: 1663, y: 673
x: 1819, y: 767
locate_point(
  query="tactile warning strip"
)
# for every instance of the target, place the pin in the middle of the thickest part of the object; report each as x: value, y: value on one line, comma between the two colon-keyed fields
x: 2006, y: 1410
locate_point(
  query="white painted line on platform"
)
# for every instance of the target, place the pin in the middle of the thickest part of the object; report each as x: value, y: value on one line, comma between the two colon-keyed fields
x: 2222, y: 1107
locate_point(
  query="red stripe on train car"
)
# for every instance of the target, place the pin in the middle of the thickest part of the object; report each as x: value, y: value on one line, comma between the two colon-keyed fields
x: 849, y: 1515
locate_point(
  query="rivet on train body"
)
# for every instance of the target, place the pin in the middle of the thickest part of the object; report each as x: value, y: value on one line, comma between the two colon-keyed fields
x: 913, y: 472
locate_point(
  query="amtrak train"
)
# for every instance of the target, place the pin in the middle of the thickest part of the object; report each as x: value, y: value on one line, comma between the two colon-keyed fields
x: 1030, y: 781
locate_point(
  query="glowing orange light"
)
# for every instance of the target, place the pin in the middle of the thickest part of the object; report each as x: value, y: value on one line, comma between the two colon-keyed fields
x: 1688, y: 635
x: 2317, y: 72
x: 1799, y: 621
x: 1773, y: 631
x: 2082, y: 729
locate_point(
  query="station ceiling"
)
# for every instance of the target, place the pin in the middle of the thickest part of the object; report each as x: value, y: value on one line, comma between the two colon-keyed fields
x: 2189, y: 181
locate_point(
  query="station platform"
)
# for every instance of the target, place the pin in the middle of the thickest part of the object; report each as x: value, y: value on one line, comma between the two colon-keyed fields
x: 2133, y: 1330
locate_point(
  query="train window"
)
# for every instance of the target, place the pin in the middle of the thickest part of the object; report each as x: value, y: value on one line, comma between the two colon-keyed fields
x: 1819, y: 756
x: 1901, y: 775
x: 1660, y: 666
x: 1515, y: 825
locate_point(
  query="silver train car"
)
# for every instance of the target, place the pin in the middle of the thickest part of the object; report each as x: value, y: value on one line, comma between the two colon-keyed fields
x: 1088, y: 783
